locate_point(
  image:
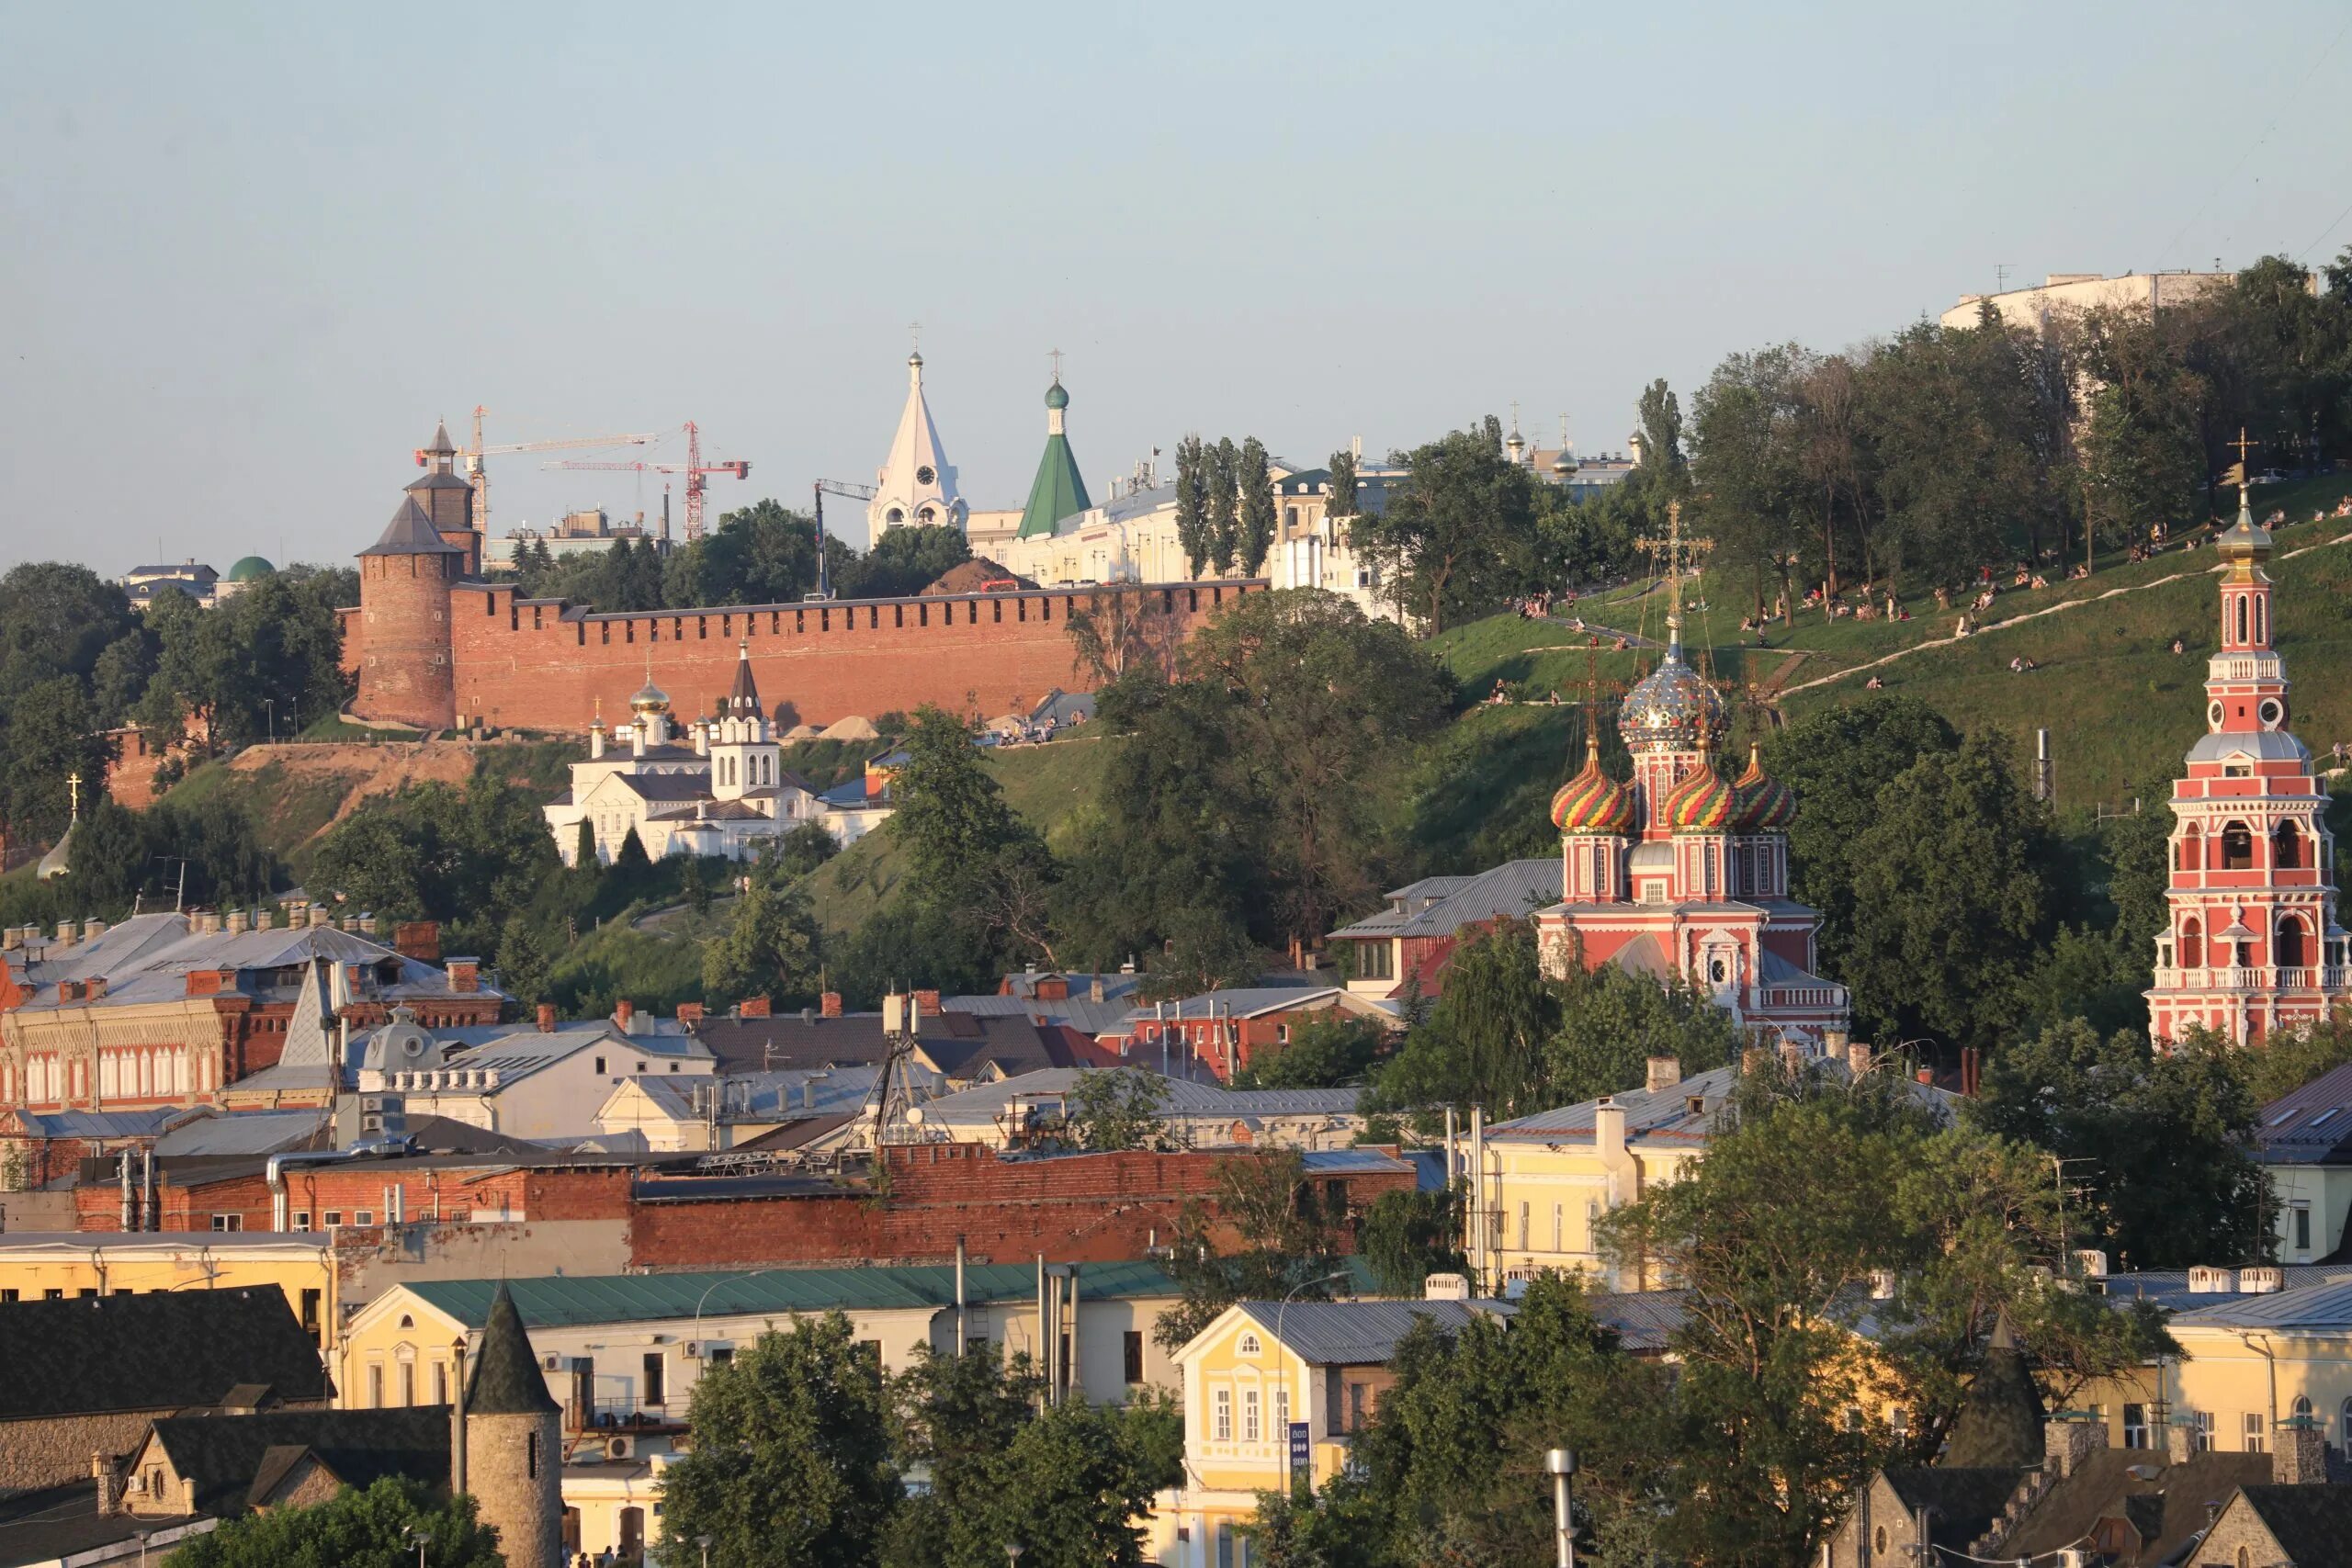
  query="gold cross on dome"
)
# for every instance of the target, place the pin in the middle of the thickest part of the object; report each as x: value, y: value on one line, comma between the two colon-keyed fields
x: 1677, y: 554
x: 74, y: 787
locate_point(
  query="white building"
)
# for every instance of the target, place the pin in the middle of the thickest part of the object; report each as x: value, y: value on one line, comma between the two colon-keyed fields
x: 723, y: 790
x: 915, y: 487
x: 1194, y: 1115
x: 525, y: 1081
x: 2073, y: 293
x: 802, y: 1108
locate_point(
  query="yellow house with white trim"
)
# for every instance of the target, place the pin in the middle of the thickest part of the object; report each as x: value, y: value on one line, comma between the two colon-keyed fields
x: 1252, y: 1375
x: 62, y: 1264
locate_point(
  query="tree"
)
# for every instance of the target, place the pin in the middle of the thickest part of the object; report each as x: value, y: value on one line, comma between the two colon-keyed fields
x: 905, y: 561
x: 1117, y: 1109
x: 2157, y: 1146
x: 2143, y: 463
x: 1071, y: 1488
x: 1952, y: 898
x: 1407, y: 1236
x: 791, y: 1463
x: 1223, y: 519
x: 1486, y: 1042
x: 1343, y: 485
x: 1750, y: 435
x: 1192, y: 531
x: 2290, y: 1058
x: 381, y: 1526
x: 522, y: 967
x: 1207, y: 950
x: 952, y: 1414
x: 1325, y: 1051
x: 1285, y: 1236
x: 1257, y: 487
x: 47, y: 734
x: 1612, y: 1022
x: 1113, y: 633
x: 770, y: 950
x: 1457, y: 533
x: 970, y: 855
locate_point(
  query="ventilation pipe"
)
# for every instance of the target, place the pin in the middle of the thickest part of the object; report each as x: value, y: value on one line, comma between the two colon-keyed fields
x: 458, y: 1424
x: 274, y: 1173
x: 959, y: 1295
x: 152, y: 1219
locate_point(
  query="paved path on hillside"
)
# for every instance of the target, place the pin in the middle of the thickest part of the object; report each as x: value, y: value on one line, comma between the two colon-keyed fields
x: 2037, y: 614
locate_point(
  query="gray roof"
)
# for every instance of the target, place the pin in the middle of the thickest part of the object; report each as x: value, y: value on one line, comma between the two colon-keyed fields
x: 2168, y: 1287
x: 1516, y: 888
x: 244, y: 1133
x: 1178, y: 1098
x: 1645, y: 1321
x: 411, y: 533
x: 165, y: 1349
x: 1667, y: 1116
x: 147, y: 958
x: 2317, y: 1309
x: 2262, y: 745
x: 1363, y: 1334
x: 2311, y: 1126
x: 1240, y: 1001
x: 796, y: 1094
x: 96, y: 1124
x: 1082, y: 1013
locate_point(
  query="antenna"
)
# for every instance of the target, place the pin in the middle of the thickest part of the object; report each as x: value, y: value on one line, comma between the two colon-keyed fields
x: 2001, y: 278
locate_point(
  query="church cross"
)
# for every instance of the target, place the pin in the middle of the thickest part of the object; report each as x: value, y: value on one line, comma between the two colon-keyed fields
x: 2243, y: 474
x: 1056, y: 355
x: 914, y: 335
x: 74, y: 787
x: 1677, y: 554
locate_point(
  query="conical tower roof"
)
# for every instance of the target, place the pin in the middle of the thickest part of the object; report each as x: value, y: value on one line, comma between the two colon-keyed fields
x: 441, y: 445
x: 506, y: 1379
x: 1999, y: 1426
x: 743, y: 697
x: 411, y: 533
x: 1058, y: 491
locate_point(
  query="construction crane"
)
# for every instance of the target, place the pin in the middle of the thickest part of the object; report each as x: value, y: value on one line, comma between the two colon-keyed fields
x: 694, y: 468
x: 479, y: 476
x: 847, y: 492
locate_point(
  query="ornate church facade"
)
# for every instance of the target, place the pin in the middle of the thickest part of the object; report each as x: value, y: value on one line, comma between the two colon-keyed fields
x: 2252, y: 945
x: 1683, y: 874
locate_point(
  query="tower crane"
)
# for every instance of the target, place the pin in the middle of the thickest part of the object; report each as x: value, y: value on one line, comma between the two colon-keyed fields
x: 847, y: 492
x: 479, y: 476
x: 694, y: 468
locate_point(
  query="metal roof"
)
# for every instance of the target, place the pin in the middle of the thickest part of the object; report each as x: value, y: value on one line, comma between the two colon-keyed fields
x: 1516, y: 888
x: 2315, y: 1309
x: 411, y: 533
x: 565, y: 1301
x: 1179, y: 1096
x: 96, y: 1123
x: 1360, y: 1334
x: 2311, y: 1126
x: 244, y: 1132
x: 1242, y: 1002
x: 1668, y: 1115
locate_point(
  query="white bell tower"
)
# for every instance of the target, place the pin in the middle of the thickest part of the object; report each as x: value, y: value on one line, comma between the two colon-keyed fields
x: 915, y: 487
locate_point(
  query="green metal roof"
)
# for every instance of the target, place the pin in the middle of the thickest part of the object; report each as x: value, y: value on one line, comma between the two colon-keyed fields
x: 568, y: 1301
x: 1058, y: 491
x: 250, y: 569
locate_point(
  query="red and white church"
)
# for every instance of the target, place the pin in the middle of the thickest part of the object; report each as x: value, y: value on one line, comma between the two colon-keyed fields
x: 1681, y: 874
x: 2253, y: 946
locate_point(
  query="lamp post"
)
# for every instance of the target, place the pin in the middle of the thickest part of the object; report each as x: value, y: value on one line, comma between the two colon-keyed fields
x: 704, y: 1541
x: 422, y: 1539
x: 1562, y: 1465
x: 1280, y: 1307
x: 723, y: 1280
x: 1012, y: 1554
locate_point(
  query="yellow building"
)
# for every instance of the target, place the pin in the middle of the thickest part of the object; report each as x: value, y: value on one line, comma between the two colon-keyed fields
x: 2305, y: 1142
x: 106, y: 1263
x: 1271, y: 1391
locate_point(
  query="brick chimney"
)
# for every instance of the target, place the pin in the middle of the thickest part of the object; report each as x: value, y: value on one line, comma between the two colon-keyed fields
x: 1858, y: 1057
x: 1793, y: 1058
x: 546, y: 1018
x: 752, y: 1006
x: 322, y: 916
x: 2180, y: 1439
x: 690, y: 1014
x: 2299, y: 1456
x: 625, y: 1014
x: 2068, y: 1439
x: 420, y: 939
x: 1752, y: 1060
x: 95, y: 987
x: 465, y: 974
x: 929, y: 1002
x: 1663, y: 1072
x: 830, y: 1004
x: 1054, y: 988
x: 108, y: 1471
x: 234, y: 922
x: 1926, y: 1074
x: 207, y: 982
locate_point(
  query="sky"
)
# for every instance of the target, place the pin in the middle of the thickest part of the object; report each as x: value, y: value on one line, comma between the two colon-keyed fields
x: 252, y: 252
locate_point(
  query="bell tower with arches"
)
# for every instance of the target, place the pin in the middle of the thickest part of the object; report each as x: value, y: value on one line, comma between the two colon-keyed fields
x: 2252, y: 945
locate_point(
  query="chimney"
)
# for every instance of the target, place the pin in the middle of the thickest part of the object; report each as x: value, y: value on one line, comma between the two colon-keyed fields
x: 2180, y: 1439
x: 365, y: 923
x: 1752, y: 1060
x: 2299, y: 1458
x: 1926, y: 1074
x: 66, y: 933
x: 752, y: 1006
x: 420, y: 939
x: 929, y: 1002
x: 690, y: 1014
x: 1445, y: 1288
x: 234, y: 922
x: 1834, y: 1041
x: 830, y: 1004
x: 1793, y: 1058
x: 2068, y: 1439
x: 322, y: 916
x: 1664, y: 1072
x: 93, y: 929
x: 1056, y: 988
x: 95, y: 987
x: 546, y: 1018
x: 1094, y: 989
x: 1609, y: 1128
x: 108, y: 1471
x: 465, y: 974
x: 207, y: 982
x: 2261, y: 1281
x: 625, y: 1015
x: 1858, y: 1057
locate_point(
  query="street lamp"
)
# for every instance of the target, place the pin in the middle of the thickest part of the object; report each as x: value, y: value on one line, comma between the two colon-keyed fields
x: 1012, y: 1554
x: 704, y: 1541
x: 423, y: 1540
x: 1280, y: 1307
x: 1562, y: 1465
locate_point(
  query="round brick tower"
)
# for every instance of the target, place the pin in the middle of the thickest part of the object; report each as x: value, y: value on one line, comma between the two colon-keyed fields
x: 406, y: 673
x: 514, y: 1454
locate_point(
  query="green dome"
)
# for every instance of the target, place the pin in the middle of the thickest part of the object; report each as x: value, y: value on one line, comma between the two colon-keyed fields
x: 250, y: 569
x: 1056, y: 398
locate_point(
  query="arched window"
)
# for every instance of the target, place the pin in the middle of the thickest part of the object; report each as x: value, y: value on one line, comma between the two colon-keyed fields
x: 2192, y: 851
x: 2192, y: 944
x: 2242, y: 618
x: 2286, y: 847
x: 2237, y: 847
x: 2291, y: 950
x: 1249, y: 1345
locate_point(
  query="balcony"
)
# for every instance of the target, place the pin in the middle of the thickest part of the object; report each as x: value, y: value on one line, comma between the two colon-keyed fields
x: 2236, y: 978
x: 1780, y: 998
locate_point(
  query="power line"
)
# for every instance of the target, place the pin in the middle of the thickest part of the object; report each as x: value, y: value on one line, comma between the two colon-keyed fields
x: 2323, y: 233
x: 2172, y: 245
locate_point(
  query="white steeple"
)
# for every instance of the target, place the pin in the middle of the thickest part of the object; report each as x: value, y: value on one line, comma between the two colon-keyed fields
x: 915, y: 484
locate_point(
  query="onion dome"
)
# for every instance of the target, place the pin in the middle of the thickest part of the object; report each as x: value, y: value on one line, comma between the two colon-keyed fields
x: 1702, y: 803
x: 649, y: 698
x: 250, y: 569
x: 1764, y: 804
x: 1671, y: 709
x: 1055, y: 397
x: 1592, y: 802
x: 2244, y: 543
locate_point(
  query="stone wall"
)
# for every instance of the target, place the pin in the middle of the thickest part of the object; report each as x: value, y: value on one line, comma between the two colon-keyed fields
x: 513, y: 1465
x: 56, y: 1452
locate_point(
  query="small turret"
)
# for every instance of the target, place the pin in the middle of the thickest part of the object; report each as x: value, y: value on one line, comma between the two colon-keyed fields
x: 513, y: 1459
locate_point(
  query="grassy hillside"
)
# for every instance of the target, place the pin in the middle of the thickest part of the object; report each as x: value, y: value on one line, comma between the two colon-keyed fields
x: 2120, y: 706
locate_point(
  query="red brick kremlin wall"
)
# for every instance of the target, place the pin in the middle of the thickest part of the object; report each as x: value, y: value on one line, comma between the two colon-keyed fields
x: 539, y: 664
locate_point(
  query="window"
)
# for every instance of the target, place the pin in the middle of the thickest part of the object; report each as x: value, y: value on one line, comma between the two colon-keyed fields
x: 440, y: 1383
x: 311, y: 1299
x: 1131, y: 1355
x: 2237, y: 847
x: 531, y: 1455
x: 1526, y: 1226
x: 2135, y: 1425
x: 1281, y: 1416
x: 2192, y: 943
x: 55, y: 1295
x: 654, y: 1367
x: 408, y: 1383
x: 1249, y: 1415
x: 1249, y: 1345
x: 1898, y: 1422
x: 155, y: 1480
x: 2302, y: 1223
x: 363, y: 1217
x: 2286, y: 847
x: 376, y: 1387
x: 723, y: 1356
x: 2256, y: 1439
x: 301, y: 1219
x: 1559, y: 1227
x: 2290, y: 954
x: 228, y: 1222
x: 1221, y: 1416
x: 1224, y: 1546
x: 10, y: 1295
x: 2201, y: 1431
x: 1356, y: 1392
x: 600, y: 1067
x: 1376, y: 961
x: 333, y: 1218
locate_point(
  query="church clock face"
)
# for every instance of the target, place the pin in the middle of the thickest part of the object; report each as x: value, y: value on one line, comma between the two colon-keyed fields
x: 2213, y: 714
x: 2273, y: 713
x: 923, y: 475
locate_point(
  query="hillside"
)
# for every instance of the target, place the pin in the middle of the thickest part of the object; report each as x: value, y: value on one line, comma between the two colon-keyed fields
x: 2120, y: 706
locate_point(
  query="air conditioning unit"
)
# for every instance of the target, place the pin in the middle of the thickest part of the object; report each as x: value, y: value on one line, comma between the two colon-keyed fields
x: 551, y: 1362
x: 690, y: 1349
x: 620, y: 1447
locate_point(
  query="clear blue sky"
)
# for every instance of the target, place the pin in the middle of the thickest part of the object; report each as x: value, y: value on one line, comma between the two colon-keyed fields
x: 252, y: 252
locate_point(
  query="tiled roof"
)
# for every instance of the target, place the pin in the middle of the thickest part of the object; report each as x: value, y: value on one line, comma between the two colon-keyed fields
x: 165, y: 1350
x: 568, y: 1301
x: 2174, y: 1501
x: 2312, y: 1525
x: 225, y: 1455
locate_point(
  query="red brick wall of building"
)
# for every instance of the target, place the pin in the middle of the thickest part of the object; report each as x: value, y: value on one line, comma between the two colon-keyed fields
x: 451, y: 1193
x: 521, y: 664
x: 1084, y: 1208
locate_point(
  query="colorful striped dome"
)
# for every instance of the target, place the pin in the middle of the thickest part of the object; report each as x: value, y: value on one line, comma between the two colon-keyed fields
x: 1766, y: 804
x: 1592, y: 802
x: 1702, y: 803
